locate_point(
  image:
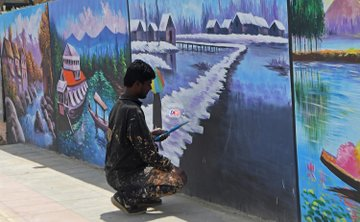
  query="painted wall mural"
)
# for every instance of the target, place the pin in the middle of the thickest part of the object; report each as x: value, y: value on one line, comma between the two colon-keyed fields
x: 25, y: 59
x: 223, y: 67
x: 326, y: 50
x: 90, y: 48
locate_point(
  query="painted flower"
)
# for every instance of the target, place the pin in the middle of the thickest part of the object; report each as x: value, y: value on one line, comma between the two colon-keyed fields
x: 347, y: 159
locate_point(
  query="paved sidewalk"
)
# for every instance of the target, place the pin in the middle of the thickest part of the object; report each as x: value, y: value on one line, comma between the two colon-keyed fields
x: 41, y: 185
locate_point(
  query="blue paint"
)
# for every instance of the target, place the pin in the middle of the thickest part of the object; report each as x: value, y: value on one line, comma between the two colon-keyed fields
x: 259, y: 84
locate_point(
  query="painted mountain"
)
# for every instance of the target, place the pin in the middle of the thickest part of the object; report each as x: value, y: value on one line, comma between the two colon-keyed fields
x: 343, y: 17
x: 100, y: 44
x: 30, y: 44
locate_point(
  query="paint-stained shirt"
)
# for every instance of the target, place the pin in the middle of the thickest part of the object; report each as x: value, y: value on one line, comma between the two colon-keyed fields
x: 130, y: 146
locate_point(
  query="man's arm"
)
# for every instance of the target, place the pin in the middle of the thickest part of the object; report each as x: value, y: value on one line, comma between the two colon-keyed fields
x: 141, y: 139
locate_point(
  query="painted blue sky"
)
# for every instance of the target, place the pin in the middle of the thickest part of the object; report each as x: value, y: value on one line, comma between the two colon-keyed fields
x: 88, y: 16
x: 191, y: 8
x: 194, y: 7
x: 27, y: 18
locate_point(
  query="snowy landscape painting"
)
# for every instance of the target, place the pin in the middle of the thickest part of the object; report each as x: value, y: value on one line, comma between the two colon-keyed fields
x: 326, y: 88
x: 25, y: 69
x: 90, y: 53
x: 224, y: 69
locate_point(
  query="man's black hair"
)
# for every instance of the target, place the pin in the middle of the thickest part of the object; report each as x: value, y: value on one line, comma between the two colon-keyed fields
x: 138, y: 71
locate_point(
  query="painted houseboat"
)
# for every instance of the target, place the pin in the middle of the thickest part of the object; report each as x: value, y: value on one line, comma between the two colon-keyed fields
x: 72, y: 86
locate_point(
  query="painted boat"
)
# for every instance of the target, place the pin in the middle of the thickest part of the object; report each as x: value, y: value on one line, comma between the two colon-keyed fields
x: 100, y: 122
x: 330, y: 162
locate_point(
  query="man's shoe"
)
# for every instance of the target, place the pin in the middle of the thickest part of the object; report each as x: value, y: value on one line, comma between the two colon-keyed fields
x: 150, y: 202
x: 120, y: 203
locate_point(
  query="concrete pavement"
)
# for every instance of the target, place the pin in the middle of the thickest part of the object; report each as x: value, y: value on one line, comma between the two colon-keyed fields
x: 41, y: 185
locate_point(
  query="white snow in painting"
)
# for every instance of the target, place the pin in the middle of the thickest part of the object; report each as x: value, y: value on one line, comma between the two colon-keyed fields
x: 152, y: 47
x: 152, y: 60
x: 194, y: 103
x: 232, y: 38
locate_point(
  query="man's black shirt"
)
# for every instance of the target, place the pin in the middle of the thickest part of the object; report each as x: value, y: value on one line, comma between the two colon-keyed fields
x: 130, y: 146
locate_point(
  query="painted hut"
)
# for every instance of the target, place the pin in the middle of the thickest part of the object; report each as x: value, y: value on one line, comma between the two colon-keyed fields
x: 226, y: 26
x: 263, y: 26
x: 137, y: 30
x: 277, y: 29
x: 244, y: 23
x: 167, y: 30
x: 213, y: 27
x: 152, y: 32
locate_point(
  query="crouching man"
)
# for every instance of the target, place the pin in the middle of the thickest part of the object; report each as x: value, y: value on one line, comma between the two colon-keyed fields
x: 133, y: 166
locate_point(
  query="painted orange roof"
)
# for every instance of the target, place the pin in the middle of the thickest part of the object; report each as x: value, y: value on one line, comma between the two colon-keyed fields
x: 69, y: 77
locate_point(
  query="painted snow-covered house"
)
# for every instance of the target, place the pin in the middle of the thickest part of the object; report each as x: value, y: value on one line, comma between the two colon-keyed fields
x: 167, y: 30
x: 152, y: 32
x: 213, y: 27
x: 244, y: 23
x: 72, y: 86
x: 263, y: 26
x: 138, y: 30
x: 226, y: 26
x: 277, y: 29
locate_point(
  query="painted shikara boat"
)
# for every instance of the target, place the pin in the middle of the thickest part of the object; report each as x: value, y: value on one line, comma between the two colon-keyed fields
x: 71, y: 86
x: 100, y: 122
x: 330, y: 162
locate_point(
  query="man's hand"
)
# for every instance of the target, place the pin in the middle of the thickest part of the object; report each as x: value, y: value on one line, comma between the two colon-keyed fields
x: 157, y: 132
